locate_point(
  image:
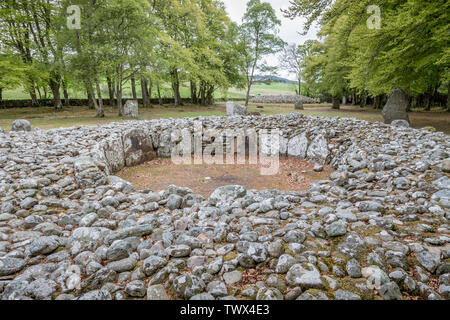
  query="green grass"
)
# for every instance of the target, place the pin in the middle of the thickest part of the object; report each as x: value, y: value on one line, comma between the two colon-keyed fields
x: 47, y: 117
x: 166, y: 91
x: 272, y: 89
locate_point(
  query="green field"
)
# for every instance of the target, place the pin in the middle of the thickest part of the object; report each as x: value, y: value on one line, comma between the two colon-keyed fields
x: 166, y: 92
x: 47, y: 117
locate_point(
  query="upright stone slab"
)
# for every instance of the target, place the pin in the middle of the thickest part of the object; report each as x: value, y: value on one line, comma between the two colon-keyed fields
x: 235, y: 109
x: 130, y: 109
x: 21, y: 125
x: 396, y: 107
x: 137, y: 147
x: 299, y: 105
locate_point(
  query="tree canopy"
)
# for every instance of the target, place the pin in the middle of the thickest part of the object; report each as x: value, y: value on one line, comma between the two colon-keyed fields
x: 409, y: 49
x: 151, y: 41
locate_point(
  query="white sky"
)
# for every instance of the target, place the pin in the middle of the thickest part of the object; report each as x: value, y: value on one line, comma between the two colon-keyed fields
x: 289, y: 30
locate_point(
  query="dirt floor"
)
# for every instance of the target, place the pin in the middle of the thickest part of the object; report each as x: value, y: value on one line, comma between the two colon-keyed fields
x: 203, y: 179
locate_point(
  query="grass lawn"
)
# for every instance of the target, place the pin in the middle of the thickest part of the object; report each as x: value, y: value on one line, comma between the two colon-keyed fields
x: 166, y: 91
x: 47, y: 117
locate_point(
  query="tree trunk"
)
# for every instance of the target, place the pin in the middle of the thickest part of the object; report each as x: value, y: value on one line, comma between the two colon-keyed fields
x: 209, y: 96
x: 299, y: 85
x: 54, y: 86
x: 100, y: 111
x: 363, y: 102
x: 193, y: 92
x: 90, y: 98
x: 354, y: 98
x: 119, y: 98
x: 176, y: 88
x: 250, y: 77
x: 159, y: 95
x: 1, y: 94
x: 247, y: 97
x: 336, y: 102
x: 427, y: 102
x: 94, y: 100
x: 175, y: 93
x: 111, y: 91
x: 378, y: 102
x: 448, y: 97
x: 32, y: 92
x: 65, y: 93
x: 428, y: 98
x: 149, y: 91
x: 133, y: 87
x: 145, y: 98
x: 39, y: 93
x: 202, y: 93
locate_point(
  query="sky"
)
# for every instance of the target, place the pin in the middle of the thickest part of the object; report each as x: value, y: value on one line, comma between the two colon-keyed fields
x: 289, y: 30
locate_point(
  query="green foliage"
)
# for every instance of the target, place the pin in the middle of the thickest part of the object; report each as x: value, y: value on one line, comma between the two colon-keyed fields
x: 12, y: 71
x: 410, y: 50
x: 158, y: 41
x: 259, y: 36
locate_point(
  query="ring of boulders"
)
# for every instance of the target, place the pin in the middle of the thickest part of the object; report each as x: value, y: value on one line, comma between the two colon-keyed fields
x: 378, y: 227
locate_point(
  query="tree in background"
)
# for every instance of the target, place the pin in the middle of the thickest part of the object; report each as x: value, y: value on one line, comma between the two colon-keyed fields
x: 34, y: 29
x: 89, y: 43
x: 123, y: 42
x: 180, y: 23
x: 127, y: 22
x: 408, y: 50
x: 13, y: 72
x: 292, y: 59
x: 259, y: 33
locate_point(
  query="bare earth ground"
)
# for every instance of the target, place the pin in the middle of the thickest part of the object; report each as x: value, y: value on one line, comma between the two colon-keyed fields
x: 203, y: 179
x: 47, y: 117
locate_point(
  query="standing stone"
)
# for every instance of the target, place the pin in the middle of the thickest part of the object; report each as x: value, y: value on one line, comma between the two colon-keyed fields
x: 130, y: 109
x: 396, y: 106
x: 235, y: 109
x: 298, y: 146
x: 299, y: 105
x: 21, y: 125
x: 137, y: 147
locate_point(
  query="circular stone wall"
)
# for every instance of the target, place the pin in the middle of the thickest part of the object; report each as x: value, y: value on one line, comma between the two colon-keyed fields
x: 378, y: 226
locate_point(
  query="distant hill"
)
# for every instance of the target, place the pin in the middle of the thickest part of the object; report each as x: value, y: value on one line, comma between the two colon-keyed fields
x: 273, y: 78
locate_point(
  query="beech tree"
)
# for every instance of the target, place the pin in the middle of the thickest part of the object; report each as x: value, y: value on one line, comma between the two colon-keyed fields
x: 259, y: 33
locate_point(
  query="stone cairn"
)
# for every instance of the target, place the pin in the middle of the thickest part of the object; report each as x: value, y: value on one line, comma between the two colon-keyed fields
x: 376, y: 228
